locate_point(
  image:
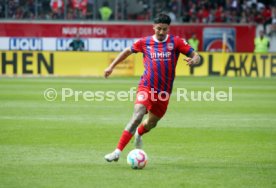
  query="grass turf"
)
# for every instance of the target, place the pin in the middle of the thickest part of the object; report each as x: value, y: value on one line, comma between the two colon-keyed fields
x: 197, y: 144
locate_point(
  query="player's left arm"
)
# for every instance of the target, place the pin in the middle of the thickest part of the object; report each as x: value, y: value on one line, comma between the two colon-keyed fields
x: 193, y: 59
x: 192, y: 56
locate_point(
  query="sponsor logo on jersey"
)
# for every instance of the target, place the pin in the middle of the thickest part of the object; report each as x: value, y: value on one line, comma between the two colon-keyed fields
x: 160, y: 55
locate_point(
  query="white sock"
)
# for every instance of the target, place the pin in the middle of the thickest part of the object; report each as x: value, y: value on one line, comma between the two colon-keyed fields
x: 136, y: 133
x: 117, y: 151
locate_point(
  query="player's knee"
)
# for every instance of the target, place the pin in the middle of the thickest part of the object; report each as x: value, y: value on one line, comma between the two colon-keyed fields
x: 133, y: 124
x: 138, y: 116
x: 150, y: 125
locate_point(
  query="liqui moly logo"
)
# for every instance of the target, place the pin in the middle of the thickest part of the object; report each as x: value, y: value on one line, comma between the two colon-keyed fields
x: 21, y: 43
x: 160, y: 55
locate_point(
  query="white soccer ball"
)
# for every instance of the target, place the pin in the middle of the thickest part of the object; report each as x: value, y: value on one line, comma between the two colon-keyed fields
x: 137, y: 159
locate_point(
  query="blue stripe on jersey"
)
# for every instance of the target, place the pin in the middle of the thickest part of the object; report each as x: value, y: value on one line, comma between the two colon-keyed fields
x: 132, y: 49
x: 190, y: 51
x: 146, y: 74
x: 150, y: 61
x: 173, y: 65
x: 158, y: 67
x: 166, y: 67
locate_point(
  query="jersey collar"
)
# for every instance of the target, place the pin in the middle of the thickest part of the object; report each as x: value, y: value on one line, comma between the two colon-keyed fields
x: 156, y: 40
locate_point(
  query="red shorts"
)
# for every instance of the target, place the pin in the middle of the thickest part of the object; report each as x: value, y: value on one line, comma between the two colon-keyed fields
x: 155, y: 102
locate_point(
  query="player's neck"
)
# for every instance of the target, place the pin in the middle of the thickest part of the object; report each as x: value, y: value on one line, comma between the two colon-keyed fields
x: 156, y: 40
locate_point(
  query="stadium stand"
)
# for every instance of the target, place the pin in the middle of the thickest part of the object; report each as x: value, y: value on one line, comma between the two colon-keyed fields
x: 194, y: 11
x: 261, y: 13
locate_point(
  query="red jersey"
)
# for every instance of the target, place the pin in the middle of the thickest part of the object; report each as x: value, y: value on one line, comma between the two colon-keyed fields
x: 160, y: 59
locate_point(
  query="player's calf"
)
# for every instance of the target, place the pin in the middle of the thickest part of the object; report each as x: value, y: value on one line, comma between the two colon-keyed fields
x: 138, y: 141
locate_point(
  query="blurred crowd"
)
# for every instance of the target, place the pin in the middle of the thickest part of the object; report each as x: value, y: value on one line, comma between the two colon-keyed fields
x: 194, y: 11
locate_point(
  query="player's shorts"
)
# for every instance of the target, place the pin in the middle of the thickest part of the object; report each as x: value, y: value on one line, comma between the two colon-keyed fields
x: 156, y: 103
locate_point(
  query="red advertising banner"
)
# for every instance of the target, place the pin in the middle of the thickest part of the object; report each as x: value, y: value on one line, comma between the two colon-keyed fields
x: 240, y: 38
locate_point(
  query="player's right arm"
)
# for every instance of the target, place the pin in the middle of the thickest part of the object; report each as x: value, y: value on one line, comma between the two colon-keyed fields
x: 122, y: 56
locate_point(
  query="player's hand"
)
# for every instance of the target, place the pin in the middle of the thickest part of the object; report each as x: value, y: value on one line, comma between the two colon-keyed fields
x: 107, y: 72
x: 190, y: 61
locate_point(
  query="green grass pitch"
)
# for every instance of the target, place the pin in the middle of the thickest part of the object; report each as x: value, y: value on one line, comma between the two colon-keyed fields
x: 61, y: 144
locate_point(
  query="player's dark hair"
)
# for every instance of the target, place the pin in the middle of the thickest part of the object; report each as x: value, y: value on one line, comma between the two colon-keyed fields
x: 162, y: 18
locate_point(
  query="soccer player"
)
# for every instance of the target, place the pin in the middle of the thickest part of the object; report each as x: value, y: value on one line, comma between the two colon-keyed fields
x: 161, y: 52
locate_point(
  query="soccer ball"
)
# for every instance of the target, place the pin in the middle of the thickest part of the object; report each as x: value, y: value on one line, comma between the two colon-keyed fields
x: 137, y: 159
